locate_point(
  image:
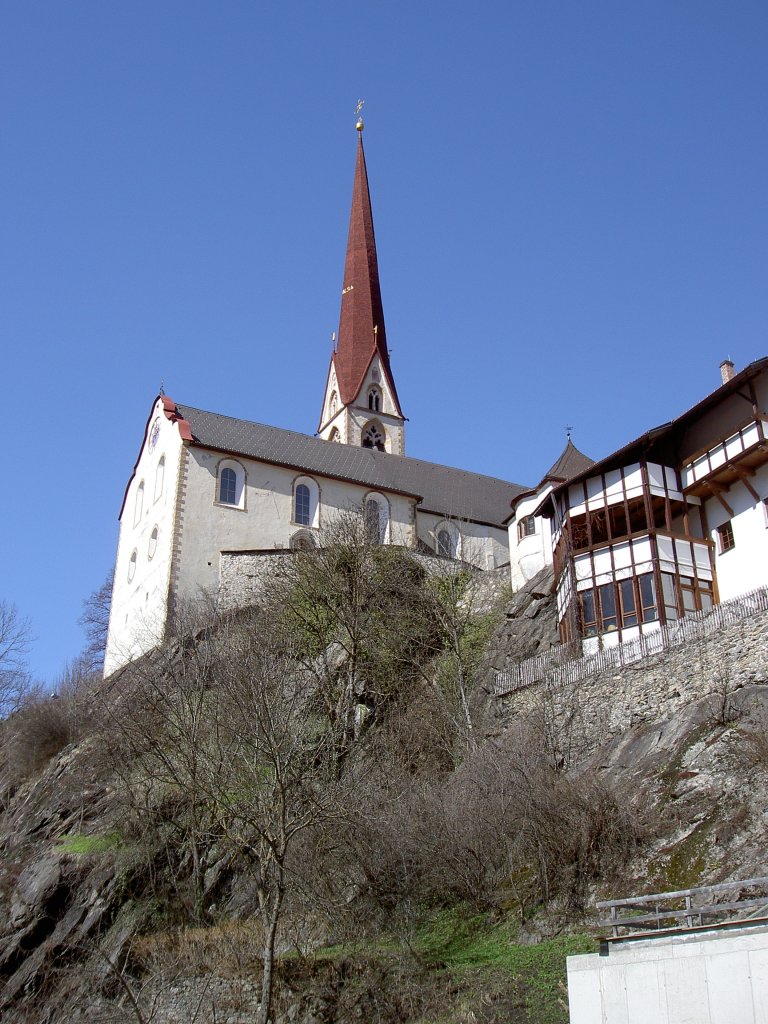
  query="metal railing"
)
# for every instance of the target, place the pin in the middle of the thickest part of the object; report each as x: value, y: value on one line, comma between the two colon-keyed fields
x: 565, y: 664
x: 684, y: 908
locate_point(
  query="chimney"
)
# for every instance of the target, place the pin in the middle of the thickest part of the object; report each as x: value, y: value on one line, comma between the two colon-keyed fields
x: 727, y: 371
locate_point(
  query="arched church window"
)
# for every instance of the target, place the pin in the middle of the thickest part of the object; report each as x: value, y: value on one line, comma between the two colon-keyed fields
x: 152, y: 546
x: 159, y: 477
x: 228, y: 487
x: 303, y: 540
x: 306, y: 501
x: 373, y: 437
x: 138, y: 508
x: 332, y: 405
x: 335, y: 436
x: 301, y: 507
x: 374, y: 399
x: 132, y: 565
x: 376, y: 518
x: 447, y: 540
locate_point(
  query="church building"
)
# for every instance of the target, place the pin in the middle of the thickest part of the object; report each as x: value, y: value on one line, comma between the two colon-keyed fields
x: 666, y: 527
x: 205, y: 484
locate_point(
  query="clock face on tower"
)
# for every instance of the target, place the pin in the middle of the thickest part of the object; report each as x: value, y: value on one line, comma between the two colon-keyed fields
x: 154, y: 434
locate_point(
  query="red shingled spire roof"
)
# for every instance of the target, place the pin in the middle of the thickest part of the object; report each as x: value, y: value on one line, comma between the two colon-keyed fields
x: 361, y: 324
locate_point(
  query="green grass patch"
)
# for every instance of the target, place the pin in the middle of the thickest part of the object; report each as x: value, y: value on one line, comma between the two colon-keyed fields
x: 487, y: 962
x: 83, y: 846
x: 469, y: 946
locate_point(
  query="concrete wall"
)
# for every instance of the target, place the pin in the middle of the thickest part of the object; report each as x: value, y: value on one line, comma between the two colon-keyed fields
x: 709, y: 978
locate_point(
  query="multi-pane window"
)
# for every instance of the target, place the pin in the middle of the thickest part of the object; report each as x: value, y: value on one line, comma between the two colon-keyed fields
x: 725, y: 539
x: 374, y: 399
x: 526, y: 527
x: 301, y: 505
x: 228, y: 487
x: 618, y: 605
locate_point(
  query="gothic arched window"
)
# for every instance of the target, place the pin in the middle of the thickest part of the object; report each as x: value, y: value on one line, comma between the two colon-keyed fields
x: 376, y: 518
x: 138, y: 508
x: 335, y: 436
x: 447, y: 539
x: 373, y: 437
x: 159, y: 477
x: 306, y: 502
x: 374, y: 399
x: 228, y: 486
x: 301, y: 505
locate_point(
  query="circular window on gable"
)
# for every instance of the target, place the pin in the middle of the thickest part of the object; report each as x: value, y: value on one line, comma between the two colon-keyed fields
x: 132, y: 565
x: 152, y: 547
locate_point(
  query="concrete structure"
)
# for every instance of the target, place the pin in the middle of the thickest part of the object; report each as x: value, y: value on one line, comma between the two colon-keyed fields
x: 700, y: 977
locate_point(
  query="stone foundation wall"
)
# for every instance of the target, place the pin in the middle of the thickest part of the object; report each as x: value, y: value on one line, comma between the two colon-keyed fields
x: 595, y: 709
x: 244, y: 576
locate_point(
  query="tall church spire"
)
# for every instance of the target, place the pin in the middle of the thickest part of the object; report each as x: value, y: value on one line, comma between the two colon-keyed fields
x: 360, y: 377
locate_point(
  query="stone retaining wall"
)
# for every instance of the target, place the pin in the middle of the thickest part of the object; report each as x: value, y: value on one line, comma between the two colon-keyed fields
x: 245, y: 575
x: 595, y: 709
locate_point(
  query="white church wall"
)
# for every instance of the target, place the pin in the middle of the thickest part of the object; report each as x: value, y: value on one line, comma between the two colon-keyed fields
x: 145, y: 545
x: 486, y: 547
x: 745, y: 566
x: 267, y: 520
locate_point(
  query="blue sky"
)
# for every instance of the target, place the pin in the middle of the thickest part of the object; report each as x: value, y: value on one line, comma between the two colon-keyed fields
x: 571, y: 214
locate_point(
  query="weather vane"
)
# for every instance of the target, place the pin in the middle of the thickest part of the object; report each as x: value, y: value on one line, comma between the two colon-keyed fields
x: 359, y: 114
x: 568, y: 432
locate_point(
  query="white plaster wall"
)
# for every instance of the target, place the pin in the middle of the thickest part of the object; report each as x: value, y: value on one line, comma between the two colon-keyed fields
x: 265, y: 522
x: 529, y: 555
x: 138, y: 610
x: 745, y: 566
x: 487, y: 547
x: 715, y: 978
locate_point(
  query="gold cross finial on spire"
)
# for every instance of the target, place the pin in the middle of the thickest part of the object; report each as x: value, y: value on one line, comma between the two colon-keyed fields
x: 358, y: 115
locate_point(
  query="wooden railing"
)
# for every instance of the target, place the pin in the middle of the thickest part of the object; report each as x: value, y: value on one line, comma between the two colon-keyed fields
x: 565, y: 664
x: 685, y: 908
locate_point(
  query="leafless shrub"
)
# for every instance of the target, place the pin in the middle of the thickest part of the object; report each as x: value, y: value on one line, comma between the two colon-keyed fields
x: 504, y: 824
x: 45, y: 723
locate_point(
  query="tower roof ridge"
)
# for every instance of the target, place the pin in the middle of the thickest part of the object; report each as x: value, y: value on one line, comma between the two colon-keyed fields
x: 361, y: 322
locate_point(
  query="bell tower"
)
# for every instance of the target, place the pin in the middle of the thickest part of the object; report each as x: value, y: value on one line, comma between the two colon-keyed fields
x: 361, y: 406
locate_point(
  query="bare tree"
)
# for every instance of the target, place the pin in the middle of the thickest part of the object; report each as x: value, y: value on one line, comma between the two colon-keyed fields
x: 354, y: 614
x: 269, y: 775
x: 95, y: 623
x: 15, y: 641
x: 159, y: 725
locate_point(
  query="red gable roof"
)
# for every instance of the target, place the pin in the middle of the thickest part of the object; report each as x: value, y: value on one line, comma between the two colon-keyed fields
x: 361, y: 324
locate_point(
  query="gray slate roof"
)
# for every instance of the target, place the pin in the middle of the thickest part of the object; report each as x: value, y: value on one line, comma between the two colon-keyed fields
x: 442, y: 489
